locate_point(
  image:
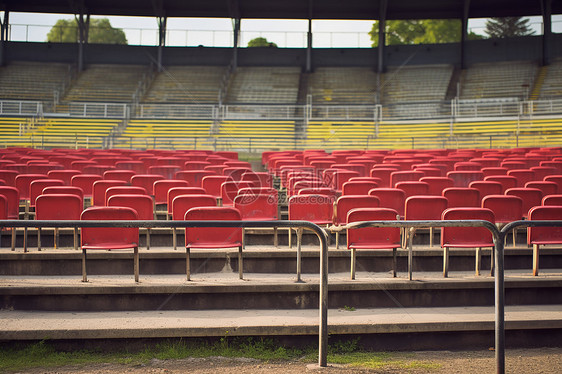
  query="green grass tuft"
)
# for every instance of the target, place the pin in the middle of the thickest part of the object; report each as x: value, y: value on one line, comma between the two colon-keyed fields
x: 345, y: 352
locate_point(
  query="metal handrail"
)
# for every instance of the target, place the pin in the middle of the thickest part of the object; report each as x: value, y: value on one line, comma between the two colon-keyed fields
x: 498, y: 238
x: 322, y: 236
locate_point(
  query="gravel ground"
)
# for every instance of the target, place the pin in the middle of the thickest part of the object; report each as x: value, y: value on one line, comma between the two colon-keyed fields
x: 520, y: 361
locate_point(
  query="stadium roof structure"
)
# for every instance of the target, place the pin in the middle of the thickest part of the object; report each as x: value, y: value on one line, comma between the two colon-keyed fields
x: 293, y: 9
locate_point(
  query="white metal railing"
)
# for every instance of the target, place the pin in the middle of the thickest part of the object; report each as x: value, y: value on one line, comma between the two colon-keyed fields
x: 456, y: 109
x: 343, y: 112
x: 21, y: 107
x: 178, y: 111
x: 417, y: 110
x: 542, y: 107
x: 485, y: 108
x: 99, y: 110
x: 272, y: 112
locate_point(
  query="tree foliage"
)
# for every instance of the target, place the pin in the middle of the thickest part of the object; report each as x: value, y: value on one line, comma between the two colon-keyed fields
x: 508, y: 27
x: 427, y: 31
x: 261, y: 42
x: 100, y: 31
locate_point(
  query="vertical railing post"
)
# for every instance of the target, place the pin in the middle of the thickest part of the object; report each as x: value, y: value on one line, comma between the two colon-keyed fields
x: 499, y: 281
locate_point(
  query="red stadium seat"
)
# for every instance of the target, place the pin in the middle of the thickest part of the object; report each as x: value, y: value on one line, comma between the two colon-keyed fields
x: 141, y: 203
x: 58, y: 207
x: 537, y: 236
x: 348, y: 202
x: 466, y: 237
x: 213, y: 237
x: 109, y: 238
x: 372, y: 237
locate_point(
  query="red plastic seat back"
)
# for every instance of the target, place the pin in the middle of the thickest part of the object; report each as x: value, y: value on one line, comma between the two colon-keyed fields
x: 260, y: 179
x: 36, y: 188
x: 335, y: 178
x: 58, y: 207
x: 384, y: 174
x: 43, y: 168
x: 9, y: 176
x: 13, y: 200
x: 69, y: 190
x: 3, y: 207
x: 545, y: 235
x: 486, y: 188
x: 64, y: 175
x: 437, y: 184
x: 552, y: 200
x: 522, y: 175
x: 143, y: 204
x: 23, y: 182
x: 213, y: 237
x: 547, y: 188
x: 176, y: 191
x: 97, y: 169
x: 166, y: 171
x: 467, y: 237
x: 507, y: 181
x: 257, y: 207
x: 109, y: 237
x: 195, y: 165
x: 543, y: 171
x: 347, y: 202
x: 85, y: 182
x: 506, y: 208
x: 405, y: 175
x: 212, y: 184
x: 99, y: 187
x: 392, y: 198
x: 551, y: 178
x: 318, y: 209
x: 413, y: 188
x: 124, y: 190
x: 146, y: 181
x: 494, y: 170
x: 229, y: 190
x: 137, y: 166
x: 424, y: 207
x: 462, y: 197
x: 182, y: 203
x: 373, y: 237
x: 258, y: 191
x: 193, y: 177
x: 358, y: 187
x: 122, y: 175
x: 161, y: 188
x: 463, y: 178
x: 531, y: 197
x: 235, y: 173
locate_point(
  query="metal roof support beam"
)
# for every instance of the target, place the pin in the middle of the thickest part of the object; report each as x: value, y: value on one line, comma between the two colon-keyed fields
x: 546, y: 7
x: 309, y: 39
x: 381, y: 47
x: 234, y: 11
x: 83, y: 27
x: 236, y: 23
x: 464, y: 32
x: 162, y: 21
x: 4, y: 37
x: 382, y: 35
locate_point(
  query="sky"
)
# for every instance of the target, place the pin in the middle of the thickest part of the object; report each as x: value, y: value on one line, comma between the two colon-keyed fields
x: 34, y: 27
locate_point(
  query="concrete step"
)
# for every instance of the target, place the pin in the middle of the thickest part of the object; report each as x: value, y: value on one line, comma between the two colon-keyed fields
x: 224, y: 290
x: 383, y: 328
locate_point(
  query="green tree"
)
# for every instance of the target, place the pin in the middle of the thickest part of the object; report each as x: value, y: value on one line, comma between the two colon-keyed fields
x: 100, y: 31
x: 428, y: 31
x: 508, y: 27
x: 261, y: 42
